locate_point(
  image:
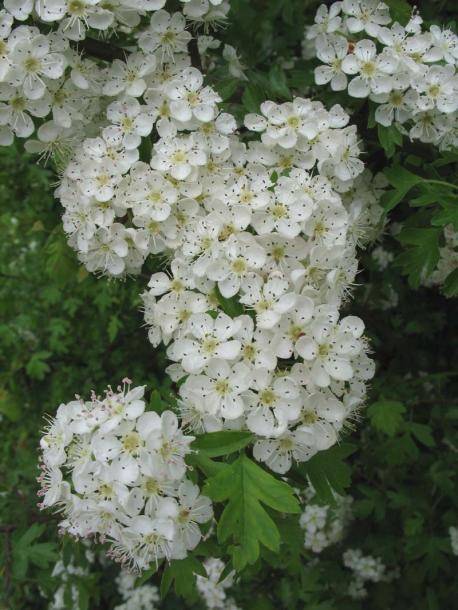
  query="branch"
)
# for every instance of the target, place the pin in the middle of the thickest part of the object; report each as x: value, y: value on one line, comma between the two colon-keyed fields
x: 108, y: 52
x: 99, y: 49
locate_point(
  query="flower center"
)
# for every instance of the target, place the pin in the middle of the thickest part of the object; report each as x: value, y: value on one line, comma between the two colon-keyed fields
x: 193, y: 98
x: 132, y: 442
x: 179, y: 156
x: 209, y: 345
x: 32, y: 65
x: 267, y: 397
x: 246, y: 196
x: 168, y: 38
x: 434, y: 90
x: 249, y: 352
x: 127, y: 124
x: 323, y: 349
x: 279, y: 211
x: 18, y: 104
x: 286, y: 443
x: 106, y: 490
x: 77, y: 8
x: 309, y: 417
x: 151, y: 487
x: 368, y: 69
x: 222, y: 387
x: 239, y: 266
x: 154, y: 197
x: 278, y: 253
x: 294, y: 122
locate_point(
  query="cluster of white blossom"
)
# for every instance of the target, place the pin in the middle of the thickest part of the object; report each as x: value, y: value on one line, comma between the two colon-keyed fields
x: 43, y: 76
x: 144, y: 597
x: 382, y: 257
x: 212, y: 589
x: 448, y: 261
x: 66, y: 575
x: 264, y: 226
x: 117, y: 473
x: 324, y: 524
x: 365, y: 569
x: 453, y: 533
x: 408, y: 71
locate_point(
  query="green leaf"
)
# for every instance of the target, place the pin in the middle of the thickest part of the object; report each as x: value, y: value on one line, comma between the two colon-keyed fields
x: 328, y: 472
x: 182, y: 573
x: 226, y: 87
x: 422, y: 433
x: 205, y: 464
x: 37, y: 366
x: 252, y: 98
x: 386, y: 416
x: 448, y: 214
x: 146, y: 575
x: 247, y: 488
x: 9, y: 406
x: 114, y: 325
x: 419, y: 261
x: 215, y: 444
x: 277, y: 83
x: 389, y: 138
x: 400, y: 10
x: 450, y: 287
x: 61, y: 265
x: 232, y: 307
x: 403, y: 181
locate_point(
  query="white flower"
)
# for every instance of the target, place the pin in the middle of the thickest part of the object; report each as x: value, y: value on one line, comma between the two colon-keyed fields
x: 209, y: 338
x: 331, y: 50
x: 221, y: 388
x: 278, y: 454
x: 189, y: 98
x: 192, y: 510
x: 107, y: 250
x: 330, y: 346
x: 128, y: 76
x: 275, y: 403
x: 269, y: 300
x: 165, y: 33
x: 373, y: 70
x: 178, y: 155
x: 327, y: 20
x: 366, y: 15
x: 130, y: 123
x: 437, y: 88
x: 235, y: 67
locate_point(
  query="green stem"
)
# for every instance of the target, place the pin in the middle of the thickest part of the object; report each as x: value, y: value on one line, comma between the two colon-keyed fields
x: 442, y: 183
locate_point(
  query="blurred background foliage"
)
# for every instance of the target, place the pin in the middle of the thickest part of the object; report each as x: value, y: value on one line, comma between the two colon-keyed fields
x: 63, y: 332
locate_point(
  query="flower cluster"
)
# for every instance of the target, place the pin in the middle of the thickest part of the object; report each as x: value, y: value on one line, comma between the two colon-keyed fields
x: 264, y: 228
x: 67, y: 575
x: 324, y: 524
x: 448, y: 260
x: 261, y: 230
x: 43, y: 76
x: 408, y: 71
x: 117, y: 473
x: 365, y: 569
x: 144, y: 597
x: 212, y: 589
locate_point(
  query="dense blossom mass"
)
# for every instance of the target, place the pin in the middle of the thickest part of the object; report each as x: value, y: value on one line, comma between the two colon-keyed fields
x: 409, y: 72
x: 117, y: 473
x: 260, y: 224
x: 261, y: 227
